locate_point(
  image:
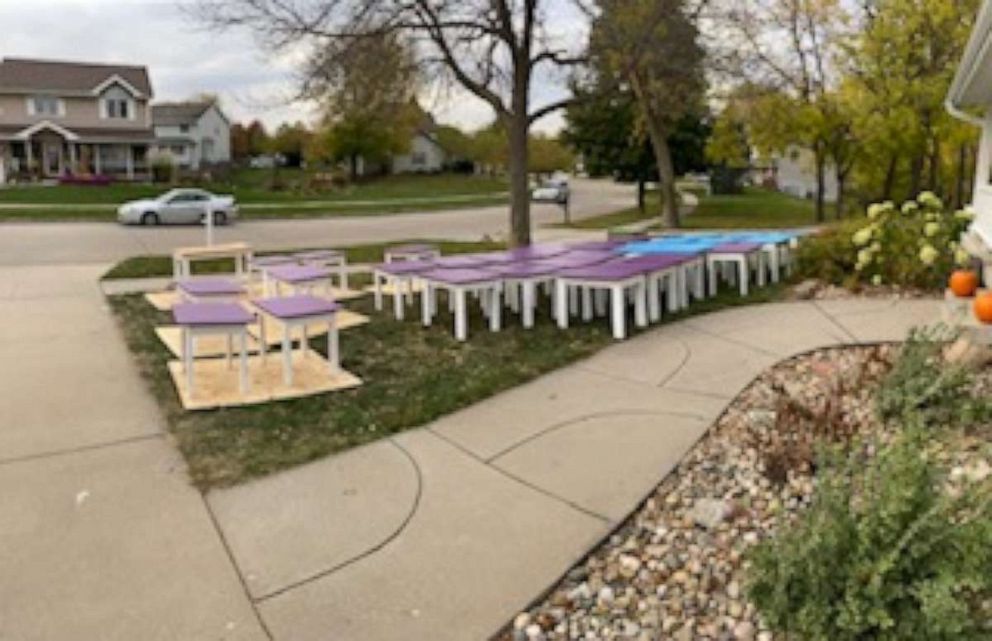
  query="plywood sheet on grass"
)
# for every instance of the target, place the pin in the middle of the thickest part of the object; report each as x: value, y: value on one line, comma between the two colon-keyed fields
x: 216, y: 381
x: 162, y: 301
x: 346, y: 319
x: 257, y: 290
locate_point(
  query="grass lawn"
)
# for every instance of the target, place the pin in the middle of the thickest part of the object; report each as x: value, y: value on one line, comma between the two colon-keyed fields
x: 160, y: 265
x: 412, y: 376
x: 755, y: 208
x: 254, y: 192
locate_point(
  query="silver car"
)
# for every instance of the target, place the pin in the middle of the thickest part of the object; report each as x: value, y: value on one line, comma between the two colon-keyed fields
x: 178, y: 207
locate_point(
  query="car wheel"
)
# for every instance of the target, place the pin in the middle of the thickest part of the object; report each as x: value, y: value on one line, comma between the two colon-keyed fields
x: 220, y: 218
x: 150, y: 218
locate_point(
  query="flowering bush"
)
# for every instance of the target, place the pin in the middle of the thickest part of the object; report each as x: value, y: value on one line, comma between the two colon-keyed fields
x: 916, y: 245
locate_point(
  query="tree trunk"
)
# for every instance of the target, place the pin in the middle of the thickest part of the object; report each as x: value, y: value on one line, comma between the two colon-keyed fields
x: 890, y: 176
x: 519, y: 185
x: 640, y: 194
x: 934, y: 161
x: 915, y: 175
x: 841, y: 194
x: 666, y: 175
x: 353, y: 167
x: 819, y: 159
x: 959, y: 175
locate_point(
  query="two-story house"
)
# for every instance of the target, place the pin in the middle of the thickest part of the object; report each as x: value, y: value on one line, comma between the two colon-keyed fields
x: 192, y: 133
x: 67, y: 118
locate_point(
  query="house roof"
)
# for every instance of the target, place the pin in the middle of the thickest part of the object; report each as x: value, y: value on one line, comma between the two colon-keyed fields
x: 972, y: 85
x: 170, y: 114
x: 83, y: 135
x: 22, y: 74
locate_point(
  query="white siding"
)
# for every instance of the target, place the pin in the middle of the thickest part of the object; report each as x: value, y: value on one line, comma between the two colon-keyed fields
x: 213, y: 133
x: 425, y: 155
x: 796, y: 175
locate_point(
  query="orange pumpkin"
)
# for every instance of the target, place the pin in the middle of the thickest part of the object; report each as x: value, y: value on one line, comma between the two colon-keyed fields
x: 983, y: 307
x: 964, y: 283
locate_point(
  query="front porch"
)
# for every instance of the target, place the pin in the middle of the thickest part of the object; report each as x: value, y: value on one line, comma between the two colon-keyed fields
x: 34, y: 160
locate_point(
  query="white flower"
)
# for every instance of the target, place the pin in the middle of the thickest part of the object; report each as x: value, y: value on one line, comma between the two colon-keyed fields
x: 961, y: 257
x: 876, y: 280
x: 910, y: 207
x: 862, y: 236
x: 964, y: 214
x: 864, y: 258
x: 928, y: 254
x: 929, y: 199
x: 931, y: 229
x: 875, y: 210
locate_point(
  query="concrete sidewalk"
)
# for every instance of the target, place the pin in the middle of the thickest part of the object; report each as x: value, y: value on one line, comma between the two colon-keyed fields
x: 439, y: 533
x: 446, y: 532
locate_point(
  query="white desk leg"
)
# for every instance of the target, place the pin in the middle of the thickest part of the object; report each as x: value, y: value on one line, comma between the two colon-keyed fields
x: 561, y: 303
x: 426, y: 304
x: 188, y: 358
x: 243, y: 361
x: 573, y: 301
x: 495, y: 309
x: 761, y: 269
x: 744, y: 273
x: 654, y: 297
x: 528, y: 295
x: 618, y: 306
x: 333, y: 350
x: 587, y: 304
x: 674, y: 288
x: 287, y: 356
x: 398, y: 298
x: 377, y: 279
x: 461, y: 314
x: 774, y: 263
x: 343, y: 276
x: 263, y: 343
x: 711, y: 266
x: 640, y: 291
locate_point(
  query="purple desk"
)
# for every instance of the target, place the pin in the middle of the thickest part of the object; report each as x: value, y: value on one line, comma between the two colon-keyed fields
x: 199, y: 319
x: 304, y: 277
x: 210, y: 289
x: 411, y: 251
x: 521, y: 279
x: 260, y: 263
x: 401, y: 275
x: 459, y: 282
x: 664, y: 273
x: 744, y: 256
x: 329, y: 258
x: 298, y: 311
x: 616, y: 277
x: 464, y: 260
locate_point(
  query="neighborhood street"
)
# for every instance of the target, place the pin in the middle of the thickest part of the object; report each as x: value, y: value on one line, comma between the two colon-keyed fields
x: 87, y: 243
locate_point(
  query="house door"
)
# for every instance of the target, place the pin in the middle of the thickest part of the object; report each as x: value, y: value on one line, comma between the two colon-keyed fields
x: 52, y: 158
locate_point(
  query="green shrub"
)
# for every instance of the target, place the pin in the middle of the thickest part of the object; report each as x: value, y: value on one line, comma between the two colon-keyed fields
x: 915, y: 246
x: 827, y: 256
x: 883, y: 553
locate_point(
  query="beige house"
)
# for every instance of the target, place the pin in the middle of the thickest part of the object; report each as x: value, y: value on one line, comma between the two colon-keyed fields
x: 66, y: 118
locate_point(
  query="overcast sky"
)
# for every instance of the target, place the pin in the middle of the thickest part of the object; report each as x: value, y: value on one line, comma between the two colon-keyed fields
x: 184, y: 59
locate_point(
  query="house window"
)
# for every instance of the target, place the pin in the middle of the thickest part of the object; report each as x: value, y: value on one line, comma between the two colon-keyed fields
x: 45, y: 106
x: 178, y: 150
x: 118, y: 108
x: 117, y: 104
x: 419, y: 158
x: 184, y: 129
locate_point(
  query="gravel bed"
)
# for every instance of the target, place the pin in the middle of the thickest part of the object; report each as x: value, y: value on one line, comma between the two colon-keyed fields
x: 674, y: 570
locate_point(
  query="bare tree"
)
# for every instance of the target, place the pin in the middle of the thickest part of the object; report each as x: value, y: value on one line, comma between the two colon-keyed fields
x: 493, y: 48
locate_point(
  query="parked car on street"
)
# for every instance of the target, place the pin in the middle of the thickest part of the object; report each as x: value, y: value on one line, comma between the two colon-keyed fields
x: 179, y: 207
x: 554, y: 190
